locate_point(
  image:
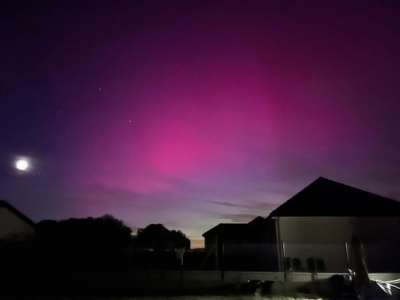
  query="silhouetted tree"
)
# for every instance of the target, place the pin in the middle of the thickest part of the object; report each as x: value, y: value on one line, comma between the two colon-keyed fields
x: 94, y: 243
x: 157, y: 237
x: 105, y: 231
x: 180, y: 240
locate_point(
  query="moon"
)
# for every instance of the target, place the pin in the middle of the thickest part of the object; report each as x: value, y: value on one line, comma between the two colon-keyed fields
x: 22, y: 164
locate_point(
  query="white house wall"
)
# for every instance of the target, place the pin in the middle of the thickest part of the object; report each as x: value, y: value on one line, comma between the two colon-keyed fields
x: 13, y: 227
x: 325, y: 237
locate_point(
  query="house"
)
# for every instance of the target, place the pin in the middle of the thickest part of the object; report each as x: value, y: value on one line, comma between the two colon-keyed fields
x: 216, y: 239
x: 14, y: 225
x: 313, y: 231
x: 315, y: 227
x: 241, y: 245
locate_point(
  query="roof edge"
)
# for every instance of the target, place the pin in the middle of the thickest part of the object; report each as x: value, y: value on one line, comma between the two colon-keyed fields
x: 11, y: 208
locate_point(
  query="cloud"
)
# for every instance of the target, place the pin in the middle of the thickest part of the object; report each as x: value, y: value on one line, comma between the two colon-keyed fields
x: 230, y: 204
x: 261, y: 206
x: 238, y: 218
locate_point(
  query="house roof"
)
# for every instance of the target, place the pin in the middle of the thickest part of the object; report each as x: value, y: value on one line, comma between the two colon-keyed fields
x: 226, y: 228
x: 257, y: 221
x: 325, y: 197
x: 4, y: 204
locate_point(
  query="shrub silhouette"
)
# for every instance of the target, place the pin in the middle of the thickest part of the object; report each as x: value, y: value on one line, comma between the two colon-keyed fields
x: 105, y: 231
x: 157, y: 237
x: 94, y: 243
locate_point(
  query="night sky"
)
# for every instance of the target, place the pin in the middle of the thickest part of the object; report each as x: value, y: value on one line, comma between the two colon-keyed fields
x: 191, y: 113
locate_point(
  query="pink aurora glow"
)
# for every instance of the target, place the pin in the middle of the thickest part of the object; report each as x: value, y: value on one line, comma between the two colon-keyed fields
x: 194, y: 114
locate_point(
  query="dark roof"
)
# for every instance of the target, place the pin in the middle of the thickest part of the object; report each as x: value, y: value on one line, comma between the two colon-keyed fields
x: 226, y: 228
x: 257, y: 221
x: 325, y: 197
x: 11, y: 208
x: 235, y: 228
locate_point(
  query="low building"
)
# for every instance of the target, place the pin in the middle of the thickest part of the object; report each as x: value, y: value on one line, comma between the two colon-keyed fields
x: 313, y: 231
x: 315, y: 227
x: 242, y: 246
x: 218, y: 237
x: 14, y: 225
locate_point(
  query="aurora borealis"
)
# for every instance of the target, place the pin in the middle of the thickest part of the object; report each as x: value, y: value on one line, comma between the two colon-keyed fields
x: 191, y: 113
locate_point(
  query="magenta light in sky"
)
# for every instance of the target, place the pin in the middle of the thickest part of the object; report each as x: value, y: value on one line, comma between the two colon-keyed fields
x: 194, y: 114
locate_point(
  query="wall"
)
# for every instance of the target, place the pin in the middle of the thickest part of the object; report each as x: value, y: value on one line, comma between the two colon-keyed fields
x: 12, y: 227
x: 325, y: 237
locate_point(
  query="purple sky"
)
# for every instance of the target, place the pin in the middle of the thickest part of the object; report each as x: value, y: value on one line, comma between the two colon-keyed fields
x: 191, y: 113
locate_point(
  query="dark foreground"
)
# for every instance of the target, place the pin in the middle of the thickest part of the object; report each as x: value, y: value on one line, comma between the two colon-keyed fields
x: 71, y: 286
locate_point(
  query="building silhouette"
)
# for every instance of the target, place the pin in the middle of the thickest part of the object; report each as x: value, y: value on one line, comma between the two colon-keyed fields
x: 14, y: 225
x: 312, y: 231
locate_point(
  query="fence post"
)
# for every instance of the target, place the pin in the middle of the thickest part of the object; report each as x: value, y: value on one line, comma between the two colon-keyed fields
x: 181, y: 277
x: 346, y: 248
x: 285, y: 271
x: 222, y: 261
